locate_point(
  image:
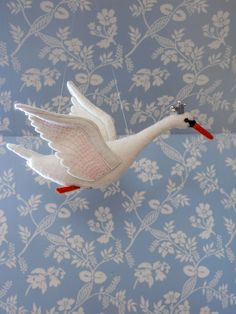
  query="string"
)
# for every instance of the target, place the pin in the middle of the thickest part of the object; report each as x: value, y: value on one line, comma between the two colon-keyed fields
x: 66, y: 67
x: 121, y: 105
x: 63, y: 78
x: 117, y: 90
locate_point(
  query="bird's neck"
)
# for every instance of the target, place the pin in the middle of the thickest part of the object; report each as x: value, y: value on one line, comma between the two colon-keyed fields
x: 127, y: 148
x: 149, y: 134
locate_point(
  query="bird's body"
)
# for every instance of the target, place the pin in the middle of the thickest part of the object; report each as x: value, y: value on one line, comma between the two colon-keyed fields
x: 88, y: 153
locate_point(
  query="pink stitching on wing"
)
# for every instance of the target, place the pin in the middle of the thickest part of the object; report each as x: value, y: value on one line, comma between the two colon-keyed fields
x: 87, y: 161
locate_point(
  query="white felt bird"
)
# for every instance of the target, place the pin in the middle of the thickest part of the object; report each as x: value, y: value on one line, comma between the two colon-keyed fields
x: 88, y: 153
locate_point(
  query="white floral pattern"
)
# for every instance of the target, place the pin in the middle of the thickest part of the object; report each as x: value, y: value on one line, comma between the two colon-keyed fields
x: 162, y: 238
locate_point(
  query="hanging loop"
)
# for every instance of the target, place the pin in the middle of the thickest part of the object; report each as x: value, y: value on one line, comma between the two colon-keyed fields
x: 179, y: 108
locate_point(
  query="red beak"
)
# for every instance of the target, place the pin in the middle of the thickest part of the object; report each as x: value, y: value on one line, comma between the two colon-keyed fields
x: 203, y: 131
x: 199, y: 128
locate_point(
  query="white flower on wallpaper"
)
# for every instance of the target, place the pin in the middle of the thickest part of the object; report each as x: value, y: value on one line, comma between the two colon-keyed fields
x: 147, y: 273
x: 105, y: 27
x: 103, y: 224
x: 147, y: 78
x: 43, y: 279
x: 203, y: 220
x: 147, y: 170
x: 38, y: 78
x: 219, y: 29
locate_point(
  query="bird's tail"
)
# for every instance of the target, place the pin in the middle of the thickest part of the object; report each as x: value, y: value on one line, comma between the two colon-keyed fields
x: 21, y: 151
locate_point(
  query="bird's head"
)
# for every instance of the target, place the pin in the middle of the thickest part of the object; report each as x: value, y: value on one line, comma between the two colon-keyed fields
x: 184, y: 120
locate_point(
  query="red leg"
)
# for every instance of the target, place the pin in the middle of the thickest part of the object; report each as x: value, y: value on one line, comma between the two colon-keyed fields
x: 65, y: 189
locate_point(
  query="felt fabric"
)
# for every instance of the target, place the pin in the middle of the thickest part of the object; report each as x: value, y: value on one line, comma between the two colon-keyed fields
x: 77, y: 141
x: 87, y: 151
x: 82, y: 107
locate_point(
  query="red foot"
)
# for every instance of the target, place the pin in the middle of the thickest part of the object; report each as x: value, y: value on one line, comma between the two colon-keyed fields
x: 65, y: 189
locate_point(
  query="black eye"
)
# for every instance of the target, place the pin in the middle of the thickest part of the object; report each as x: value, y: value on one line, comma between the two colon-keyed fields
x: 190, y: 122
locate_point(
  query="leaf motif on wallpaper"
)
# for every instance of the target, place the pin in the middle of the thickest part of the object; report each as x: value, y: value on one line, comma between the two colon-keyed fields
x: 148, y: 5
x: 157, y: 25
x: 230, y: 254
x: 180, y: 200
x: 135, y: 10
x: 207, y: 180
x: 230, y: 200
x: 7, y: 184
x: 51, y: 41
x: 3, y: 54
x: 111, y: 190
x: 229, y: 225
x: 226, y: 60
x: 164, y: 41
x: 134, y: 202
x: 134, y: 34
x: 113, y: 285
x: 3, y: 227
x: 23, y: 265
x: 24, y: 233
x: 118, y: 62
x: 230, y: 162
x: 158, y: 234
x: 16, y: 64
x: 40, y: 23
x: 10, y: 262
x: 16, y: 33
x: 129, y: 64
x: 84, y: 293
x: 204, y: 94
x: 118, y: 300
x: 188, y: 287
x: 171, y: 186
x: 214, y: 282
x: 55, y: 239
x: 171, y: 153
x: 5, y: 288
x: 78, y: 203
x: 150, y: 219
x: 157, y: 53
x: 119, y: 255
x: 43, y: 52
x: 184, y: 92
x: 130, y: 229
x: 212, y: 87
x: 34, y: 201
x: 14, y: 8
x: 45, y: 223
x: 130, y: 259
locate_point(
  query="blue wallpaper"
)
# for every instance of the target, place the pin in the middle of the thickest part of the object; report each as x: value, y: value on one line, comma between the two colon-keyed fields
x: 156, y: 51
x: 161, y: 240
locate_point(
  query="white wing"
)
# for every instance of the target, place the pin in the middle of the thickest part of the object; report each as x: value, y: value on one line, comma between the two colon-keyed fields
x: 77, y: 141
x: 82, y: 107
